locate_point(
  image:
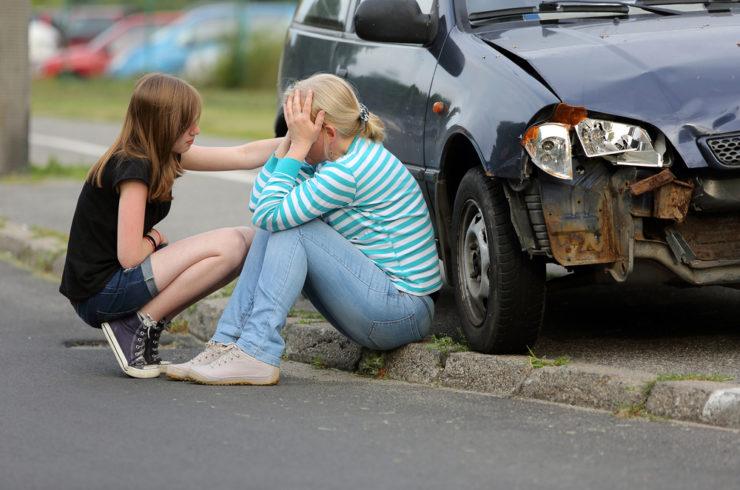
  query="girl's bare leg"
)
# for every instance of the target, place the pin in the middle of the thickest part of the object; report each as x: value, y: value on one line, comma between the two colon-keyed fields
x: 190, y: 269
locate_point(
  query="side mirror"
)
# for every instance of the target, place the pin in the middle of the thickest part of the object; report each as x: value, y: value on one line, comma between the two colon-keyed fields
x: 396, y: 21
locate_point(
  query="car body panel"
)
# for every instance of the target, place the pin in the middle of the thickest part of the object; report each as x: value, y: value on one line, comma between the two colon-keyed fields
x: 622, y: 68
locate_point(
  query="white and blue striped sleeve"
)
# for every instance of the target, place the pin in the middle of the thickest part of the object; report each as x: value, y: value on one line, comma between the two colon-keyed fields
x: 262, y: 178
x: 282, y: 204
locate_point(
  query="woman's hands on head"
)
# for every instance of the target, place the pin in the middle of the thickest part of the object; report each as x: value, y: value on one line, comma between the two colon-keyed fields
x: 303, y: 131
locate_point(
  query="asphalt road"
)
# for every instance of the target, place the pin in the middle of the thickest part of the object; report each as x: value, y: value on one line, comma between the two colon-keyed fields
x: 71, y: 420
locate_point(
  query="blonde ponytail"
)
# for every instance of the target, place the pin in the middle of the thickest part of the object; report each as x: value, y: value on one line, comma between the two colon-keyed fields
x: 373, y: 129
x: 336, y: 97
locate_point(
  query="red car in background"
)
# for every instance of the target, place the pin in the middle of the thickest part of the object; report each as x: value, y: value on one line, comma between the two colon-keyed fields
x: 91, y: 59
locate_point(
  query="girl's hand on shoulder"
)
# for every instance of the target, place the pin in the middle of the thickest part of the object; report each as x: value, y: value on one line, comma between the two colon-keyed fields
x: 303, y: 131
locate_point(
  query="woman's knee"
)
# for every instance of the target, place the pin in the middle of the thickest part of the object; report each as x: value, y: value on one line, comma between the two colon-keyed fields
x: 234, y: 243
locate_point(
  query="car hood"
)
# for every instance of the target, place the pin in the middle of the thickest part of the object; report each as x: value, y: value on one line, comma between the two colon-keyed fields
x: 679, y: 73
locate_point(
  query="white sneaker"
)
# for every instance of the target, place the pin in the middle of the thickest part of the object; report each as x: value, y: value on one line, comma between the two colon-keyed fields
x: 235, y: 367
x: 181, y: 372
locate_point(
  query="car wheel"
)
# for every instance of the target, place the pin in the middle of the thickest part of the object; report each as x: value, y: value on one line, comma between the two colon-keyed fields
x: 499, y: 290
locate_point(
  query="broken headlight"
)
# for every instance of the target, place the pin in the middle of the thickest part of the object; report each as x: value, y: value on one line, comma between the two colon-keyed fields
x: 621, y: 144
x: 549, y: 148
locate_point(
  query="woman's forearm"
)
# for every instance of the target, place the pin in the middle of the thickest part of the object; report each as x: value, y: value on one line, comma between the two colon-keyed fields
x: 243, y: 157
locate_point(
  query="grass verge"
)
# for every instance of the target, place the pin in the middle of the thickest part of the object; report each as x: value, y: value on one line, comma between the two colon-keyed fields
x: 52, y: 170
x: 540, y: 362
x: 372, y: 364
x: 230, y: 113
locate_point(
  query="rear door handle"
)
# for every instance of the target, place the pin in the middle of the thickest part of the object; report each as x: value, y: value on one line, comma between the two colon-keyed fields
x: 341, y: 71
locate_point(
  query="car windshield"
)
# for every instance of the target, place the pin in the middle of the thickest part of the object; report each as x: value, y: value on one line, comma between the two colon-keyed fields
x: 483, y: 11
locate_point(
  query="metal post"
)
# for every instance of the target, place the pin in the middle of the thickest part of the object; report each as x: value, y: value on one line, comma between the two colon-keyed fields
x: 15, y: 79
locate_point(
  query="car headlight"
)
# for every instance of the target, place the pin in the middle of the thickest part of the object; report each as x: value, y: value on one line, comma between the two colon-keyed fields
x: 549, y: 148
x: 622, y: 144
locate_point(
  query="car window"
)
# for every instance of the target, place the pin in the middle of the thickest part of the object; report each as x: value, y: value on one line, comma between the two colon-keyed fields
x: 329, y: 14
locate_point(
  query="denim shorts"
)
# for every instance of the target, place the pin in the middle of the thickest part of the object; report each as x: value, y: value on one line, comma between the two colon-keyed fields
x: 126, y: 292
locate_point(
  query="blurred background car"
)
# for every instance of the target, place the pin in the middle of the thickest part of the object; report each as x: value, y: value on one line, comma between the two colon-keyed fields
x: 205, y: 34
x: 44, y: 41
x: 91, y: 59
x: 80, y: 24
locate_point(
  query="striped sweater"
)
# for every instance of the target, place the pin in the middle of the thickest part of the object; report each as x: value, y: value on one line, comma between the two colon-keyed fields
x: 369, y: 197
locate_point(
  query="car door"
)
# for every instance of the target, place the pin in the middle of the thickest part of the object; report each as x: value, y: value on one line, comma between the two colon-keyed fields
x: 312, y: 39
x: 393, y: 81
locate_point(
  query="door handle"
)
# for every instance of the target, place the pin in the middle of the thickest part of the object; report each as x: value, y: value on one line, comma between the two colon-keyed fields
x: 341, y: 71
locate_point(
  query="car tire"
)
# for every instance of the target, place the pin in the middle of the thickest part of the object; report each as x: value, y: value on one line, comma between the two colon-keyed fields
x: 501, y: 308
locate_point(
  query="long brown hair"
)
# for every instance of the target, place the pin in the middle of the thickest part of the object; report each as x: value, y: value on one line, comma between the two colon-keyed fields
x: 162, y: 108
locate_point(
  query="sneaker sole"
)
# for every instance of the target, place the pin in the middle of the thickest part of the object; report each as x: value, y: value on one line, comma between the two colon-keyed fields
x: 234, y: 382
x: 149, y: 372
x: 174, y: 376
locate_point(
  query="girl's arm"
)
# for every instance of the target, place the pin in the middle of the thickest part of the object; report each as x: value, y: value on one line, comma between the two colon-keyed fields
x: 243, y: 157
x: 132, y: 247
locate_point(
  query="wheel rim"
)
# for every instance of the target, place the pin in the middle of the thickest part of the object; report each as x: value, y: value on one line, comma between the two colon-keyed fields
x: 474, y: 262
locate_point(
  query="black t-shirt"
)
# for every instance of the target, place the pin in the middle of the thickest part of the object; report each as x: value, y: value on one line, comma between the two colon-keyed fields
x: 92, y: 256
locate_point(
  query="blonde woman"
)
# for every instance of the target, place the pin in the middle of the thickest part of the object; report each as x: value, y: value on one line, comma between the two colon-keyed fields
x: 341, y: 219
x: 117, y: 274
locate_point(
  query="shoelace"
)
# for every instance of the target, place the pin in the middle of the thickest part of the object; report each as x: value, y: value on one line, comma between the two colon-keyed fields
x: 229, y: 356
x: 212, y: 350
x: 153, y: 334
x: 138, y: 359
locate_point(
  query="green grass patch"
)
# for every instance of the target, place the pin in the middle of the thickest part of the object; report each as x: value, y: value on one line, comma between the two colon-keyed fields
x: 540, y: 362
x: 9, y: 258
x: 446, y: 345
x: 179, y: 326
x: 224, y: 292
x: 53, y: 170
x: 372, y: 364
x: 231, y: 113
x: 695, y: 377
x: 319, y: 363
x: 3, y: 222
x: 41, y: 232
x: 306, y: 316
x: 638, y: 409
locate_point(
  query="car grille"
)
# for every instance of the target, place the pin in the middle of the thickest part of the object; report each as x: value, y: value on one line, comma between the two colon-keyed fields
x: 726, y: 149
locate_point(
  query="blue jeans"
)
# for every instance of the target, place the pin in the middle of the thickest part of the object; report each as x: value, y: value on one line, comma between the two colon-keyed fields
x: 124, y: 293
x: 345, y: 286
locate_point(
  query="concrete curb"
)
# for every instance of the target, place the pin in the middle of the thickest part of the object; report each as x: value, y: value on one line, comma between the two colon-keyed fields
x: 44, y: 253
x: 588, y: 385
x: 696, y: 401
x: 318, y: 343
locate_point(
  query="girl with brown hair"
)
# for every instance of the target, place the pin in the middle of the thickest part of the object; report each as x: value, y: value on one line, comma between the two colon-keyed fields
x: 118, y: 274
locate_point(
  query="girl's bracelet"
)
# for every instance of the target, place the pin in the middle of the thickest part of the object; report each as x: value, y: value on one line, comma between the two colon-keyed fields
x: 151, y: 240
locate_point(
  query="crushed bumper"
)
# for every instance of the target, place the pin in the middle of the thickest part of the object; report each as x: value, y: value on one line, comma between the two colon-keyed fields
x: 615, y: 216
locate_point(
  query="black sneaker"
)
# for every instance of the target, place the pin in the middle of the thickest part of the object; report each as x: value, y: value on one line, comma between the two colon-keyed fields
x: 127, y: 337
x: 151, y: 343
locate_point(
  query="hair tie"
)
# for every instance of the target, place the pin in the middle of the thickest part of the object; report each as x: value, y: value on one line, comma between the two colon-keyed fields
x: 364, y: 113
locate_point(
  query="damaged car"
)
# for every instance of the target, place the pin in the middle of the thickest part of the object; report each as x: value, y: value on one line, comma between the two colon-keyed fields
x: 600, y: 136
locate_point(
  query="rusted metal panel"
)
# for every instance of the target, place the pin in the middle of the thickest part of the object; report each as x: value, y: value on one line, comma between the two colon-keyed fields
x: 712, y: 238
x: 579, y: 219
x: 672, y: 200
x: 671, y: 197
x: 651, y: 183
